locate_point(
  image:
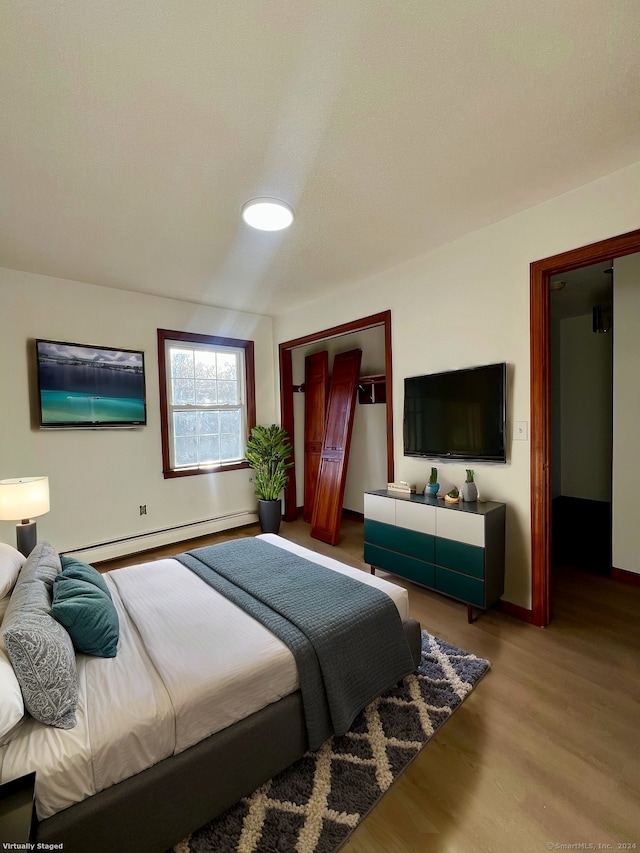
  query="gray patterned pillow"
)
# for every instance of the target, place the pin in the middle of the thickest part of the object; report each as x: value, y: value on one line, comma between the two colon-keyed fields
x: 39, y: 648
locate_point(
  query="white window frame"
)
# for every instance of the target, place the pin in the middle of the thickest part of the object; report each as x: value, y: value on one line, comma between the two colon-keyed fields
x: 243, y: 350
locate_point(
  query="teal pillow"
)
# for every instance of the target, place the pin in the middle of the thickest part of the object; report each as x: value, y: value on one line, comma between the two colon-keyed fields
x: 88, y: 614
x: 73, y: 568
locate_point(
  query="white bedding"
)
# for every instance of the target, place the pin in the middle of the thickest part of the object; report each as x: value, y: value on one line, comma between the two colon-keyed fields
x: 189, y: 664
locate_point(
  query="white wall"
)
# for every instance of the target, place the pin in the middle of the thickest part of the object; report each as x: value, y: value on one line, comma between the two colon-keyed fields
x: 626, y: 417
x: 467, y: 303
x: 98, y: 478
x: 586, y: 401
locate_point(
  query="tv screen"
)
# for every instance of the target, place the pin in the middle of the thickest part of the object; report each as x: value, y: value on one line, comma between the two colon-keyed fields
x: 459, y: 414
x: 86, y: 386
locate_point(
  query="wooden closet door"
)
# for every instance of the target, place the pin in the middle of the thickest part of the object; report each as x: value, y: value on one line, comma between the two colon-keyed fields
x: 332, y: 474
x: 316, y: 390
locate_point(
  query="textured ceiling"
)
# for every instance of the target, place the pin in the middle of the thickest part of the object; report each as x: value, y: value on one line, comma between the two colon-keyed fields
x: 131, y: 133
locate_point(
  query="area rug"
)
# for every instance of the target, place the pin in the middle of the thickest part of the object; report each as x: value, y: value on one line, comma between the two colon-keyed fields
x: 315, y: 804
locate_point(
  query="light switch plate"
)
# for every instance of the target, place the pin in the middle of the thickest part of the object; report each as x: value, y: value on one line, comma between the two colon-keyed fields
x: 520, y: 431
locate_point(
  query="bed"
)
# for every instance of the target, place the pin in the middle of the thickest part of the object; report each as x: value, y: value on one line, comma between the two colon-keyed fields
x: 189, y: 714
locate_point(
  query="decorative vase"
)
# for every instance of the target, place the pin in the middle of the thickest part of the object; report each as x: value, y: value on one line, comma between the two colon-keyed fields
x: 432, y: 489
x: 270, y: 515
x: 469, y: 492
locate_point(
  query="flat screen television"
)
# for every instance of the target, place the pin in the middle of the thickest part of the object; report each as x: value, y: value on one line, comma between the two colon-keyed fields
x: 459, y: 414
x: 88, y: 386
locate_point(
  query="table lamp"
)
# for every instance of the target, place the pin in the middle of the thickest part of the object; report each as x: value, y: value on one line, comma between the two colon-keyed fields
x: 22, y: 499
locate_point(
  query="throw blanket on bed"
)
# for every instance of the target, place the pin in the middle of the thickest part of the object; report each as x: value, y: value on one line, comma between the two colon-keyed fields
x: 347, y: 637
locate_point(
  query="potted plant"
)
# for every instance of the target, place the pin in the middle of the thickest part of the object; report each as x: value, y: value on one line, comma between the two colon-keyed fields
x: 433, y: 485
x: 268, y: 449
x: 469, y: 488
x: 453, y: 497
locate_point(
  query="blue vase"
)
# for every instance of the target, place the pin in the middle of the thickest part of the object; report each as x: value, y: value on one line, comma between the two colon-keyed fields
x: 432, y: 489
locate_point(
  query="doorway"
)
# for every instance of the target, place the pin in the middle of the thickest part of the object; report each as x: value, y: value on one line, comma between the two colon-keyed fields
x: 541, y: 273
x: 581, y: 421
x: 287, y: 390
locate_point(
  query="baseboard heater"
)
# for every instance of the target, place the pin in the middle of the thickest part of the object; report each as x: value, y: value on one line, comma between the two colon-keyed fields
x: 126, y: 545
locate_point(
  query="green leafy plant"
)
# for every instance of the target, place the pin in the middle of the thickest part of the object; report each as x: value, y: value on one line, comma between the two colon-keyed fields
x: 433, y: 479
x: 268, y: 449
x: 454, y: 493
x: 469, y: 475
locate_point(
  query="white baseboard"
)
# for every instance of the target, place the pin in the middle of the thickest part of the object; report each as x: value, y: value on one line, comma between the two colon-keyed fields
x: 156, y: 538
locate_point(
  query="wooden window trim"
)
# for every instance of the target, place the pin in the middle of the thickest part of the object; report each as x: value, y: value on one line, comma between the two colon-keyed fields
x: 250, y: 385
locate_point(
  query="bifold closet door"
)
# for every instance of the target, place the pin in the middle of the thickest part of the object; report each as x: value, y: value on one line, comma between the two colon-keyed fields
x: 316, y: 391
x: 332, y: 473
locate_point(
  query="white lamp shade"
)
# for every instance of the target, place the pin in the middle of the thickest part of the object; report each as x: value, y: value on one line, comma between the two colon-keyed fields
x: 267, y: 214
x: 24, y: 498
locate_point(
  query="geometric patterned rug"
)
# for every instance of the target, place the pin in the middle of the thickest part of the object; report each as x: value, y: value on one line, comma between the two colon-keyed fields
x: 315, y: 804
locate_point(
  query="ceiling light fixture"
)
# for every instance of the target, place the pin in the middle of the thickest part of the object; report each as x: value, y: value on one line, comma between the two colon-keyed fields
x: 267, y: 214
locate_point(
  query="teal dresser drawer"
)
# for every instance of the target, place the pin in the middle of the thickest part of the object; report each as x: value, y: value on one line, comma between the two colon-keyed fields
x: 460, y: 586
x: 378, y: 533
x: 409, y: 542
x: 399, y: 564
x: 468, y: 559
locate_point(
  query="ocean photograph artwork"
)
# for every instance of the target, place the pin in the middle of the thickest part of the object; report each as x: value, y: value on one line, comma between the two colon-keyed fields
x: 81, y: 385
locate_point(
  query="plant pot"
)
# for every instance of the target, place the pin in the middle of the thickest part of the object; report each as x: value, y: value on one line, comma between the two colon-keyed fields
x: 469, y: 492
x: 432, y: 489
x: 270, y: 515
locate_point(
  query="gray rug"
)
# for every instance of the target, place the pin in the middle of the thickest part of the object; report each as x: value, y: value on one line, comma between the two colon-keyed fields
x: 313, y: 805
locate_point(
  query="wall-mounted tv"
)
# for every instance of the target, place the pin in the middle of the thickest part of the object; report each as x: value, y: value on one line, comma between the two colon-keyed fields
x: 459, y: 414
x: 88, y: 386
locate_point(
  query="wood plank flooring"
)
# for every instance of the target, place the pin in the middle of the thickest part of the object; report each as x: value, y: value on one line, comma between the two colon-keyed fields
x: 545, y: 752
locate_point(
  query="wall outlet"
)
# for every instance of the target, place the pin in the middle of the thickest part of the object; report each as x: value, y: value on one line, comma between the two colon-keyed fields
x: 520, y: 431
x: 143, y: 509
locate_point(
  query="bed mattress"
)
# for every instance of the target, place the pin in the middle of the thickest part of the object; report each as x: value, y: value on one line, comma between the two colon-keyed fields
x: 189, y: 664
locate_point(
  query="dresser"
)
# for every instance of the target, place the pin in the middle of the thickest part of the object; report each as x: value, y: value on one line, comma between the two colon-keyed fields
x: 454, y: 549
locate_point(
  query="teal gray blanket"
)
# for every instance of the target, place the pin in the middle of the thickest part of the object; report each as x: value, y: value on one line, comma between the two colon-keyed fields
x: 346, y: 637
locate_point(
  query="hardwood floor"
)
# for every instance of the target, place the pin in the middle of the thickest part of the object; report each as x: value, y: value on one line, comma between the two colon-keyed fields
x: 545, y: 752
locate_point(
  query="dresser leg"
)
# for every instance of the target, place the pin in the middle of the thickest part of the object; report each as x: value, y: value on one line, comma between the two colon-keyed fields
x: 470, y: 617
x: 373, y: 570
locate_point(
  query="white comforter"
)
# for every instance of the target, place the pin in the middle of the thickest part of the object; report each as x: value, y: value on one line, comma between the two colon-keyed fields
x: 189, y: 664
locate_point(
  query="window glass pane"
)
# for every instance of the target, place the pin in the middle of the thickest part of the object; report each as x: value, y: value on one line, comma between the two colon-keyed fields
x: 205, y: 364
x: 181, y: 362
x: 230, y: 446
x: 186, y: 450
x: 230, y: 420
x: 205, y: 392
x: 208, y: 422
x: 228, y: 393
x: 227, y: 365
x: 183, y: 392
x: 184, y: 423
x: 208, y: 449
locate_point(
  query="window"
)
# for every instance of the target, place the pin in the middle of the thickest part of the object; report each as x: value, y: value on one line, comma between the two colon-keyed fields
x: 207, y: 402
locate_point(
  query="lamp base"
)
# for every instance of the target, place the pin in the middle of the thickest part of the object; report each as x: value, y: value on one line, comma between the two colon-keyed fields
x: 26, y: 537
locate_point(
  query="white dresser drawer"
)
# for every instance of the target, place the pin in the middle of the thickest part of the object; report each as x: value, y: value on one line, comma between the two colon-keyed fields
x: 379, y: 508
x: 460, y: 526
x: 416, y: 516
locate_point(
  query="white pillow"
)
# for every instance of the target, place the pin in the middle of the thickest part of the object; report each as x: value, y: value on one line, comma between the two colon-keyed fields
x: 11, y: 561
x: 11, y: 704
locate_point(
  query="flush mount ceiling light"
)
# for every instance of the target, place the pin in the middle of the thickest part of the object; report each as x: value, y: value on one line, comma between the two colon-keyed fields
x: 267, y: 214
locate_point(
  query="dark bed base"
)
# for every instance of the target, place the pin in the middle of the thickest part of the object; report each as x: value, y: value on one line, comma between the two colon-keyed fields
x: 155, y: 809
